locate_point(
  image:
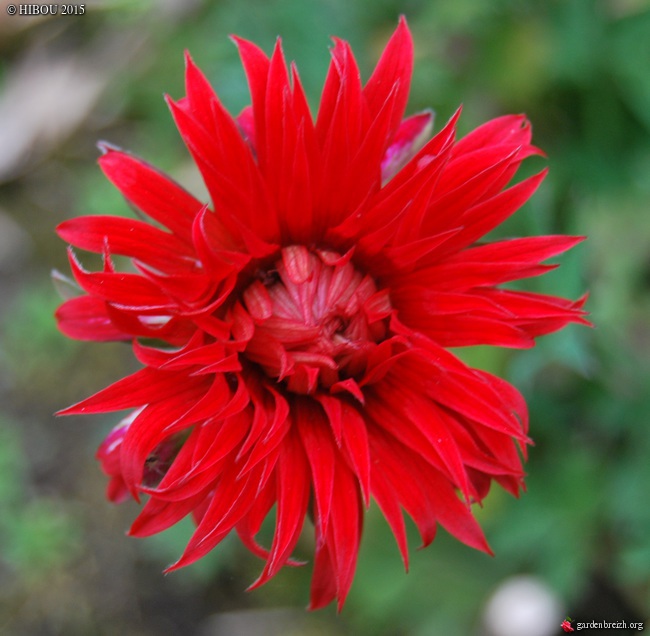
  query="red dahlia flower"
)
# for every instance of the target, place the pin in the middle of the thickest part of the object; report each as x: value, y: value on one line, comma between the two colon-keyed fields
x: 297, y: 330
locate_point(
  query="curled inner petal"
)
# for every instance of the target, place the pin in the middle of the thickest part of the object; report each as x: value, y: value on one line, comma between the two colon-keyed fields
x: 314, y: 320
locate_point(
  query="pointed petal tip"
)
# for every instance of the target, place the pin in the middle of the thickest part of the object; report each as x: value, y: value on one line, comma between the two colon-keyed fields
x: 60, y: 229
x: 402, y: 26
x: 66, y: 287
x: 453, y: 120
x: 177, y: 565
x: 539, y: 177
x: 580, y: 303
x: 277, y: 57
x: 247, y: 49
x: 576, y: 240
x: 169, y: 569
x: 318, y: 605
x: 106, y: 146
x: 538, y: 152
x: 73, y: 409
x: 259, y: 581
x: 429, y: 113
x: 239, y: 41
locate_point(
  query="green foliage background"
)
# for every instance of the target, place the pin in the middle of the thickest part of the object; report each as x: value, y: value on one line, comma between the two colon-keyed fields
x: 580, y: 69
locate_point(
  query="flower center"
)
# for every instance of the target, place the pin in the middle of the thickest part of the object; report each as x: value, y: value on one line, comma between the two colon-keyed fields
x: 316, y: 318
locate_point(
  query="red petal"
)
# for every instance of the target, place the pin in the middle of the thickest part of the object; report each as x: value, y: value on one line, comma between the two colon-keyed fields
x: 130, y: 238
x: 86, y: 318
x: 246, y: 122
x: 278, y: 121
x: 355, y: 441
x: 158, y: 515
x: 294, y: 487
x: 418, y: 424
x: 230, y: 174
x: 339, y: 128
x: 128, y: 290
x: 142, y: 387
x: 318, y: 444
x: 509, y: 129
x: 323, y: 581
x: 157, y: 422
x: 345, y: 530
x: 334, y: 410
x: 389, y: 504
x: 200, y: 96
x: 485, y: 216
x: 256, y: 65
x: 151, y: 191
x: 454, y: 516
x: 231, y: 501
x: 394, y: 69
x: 460, y: 276
x: 409, y: 138
x: 396, y: 470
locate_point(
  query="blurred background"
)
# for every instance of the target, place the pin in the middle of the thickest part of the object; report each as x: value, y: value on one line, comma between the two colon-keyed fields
x: 577, y: 543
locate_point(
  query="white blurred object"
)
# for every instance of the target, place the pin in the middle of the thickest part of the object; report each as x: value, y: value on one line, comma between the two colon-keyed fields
x: 42, y: 102
x: 523, y: 605
x: 47, y: 94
